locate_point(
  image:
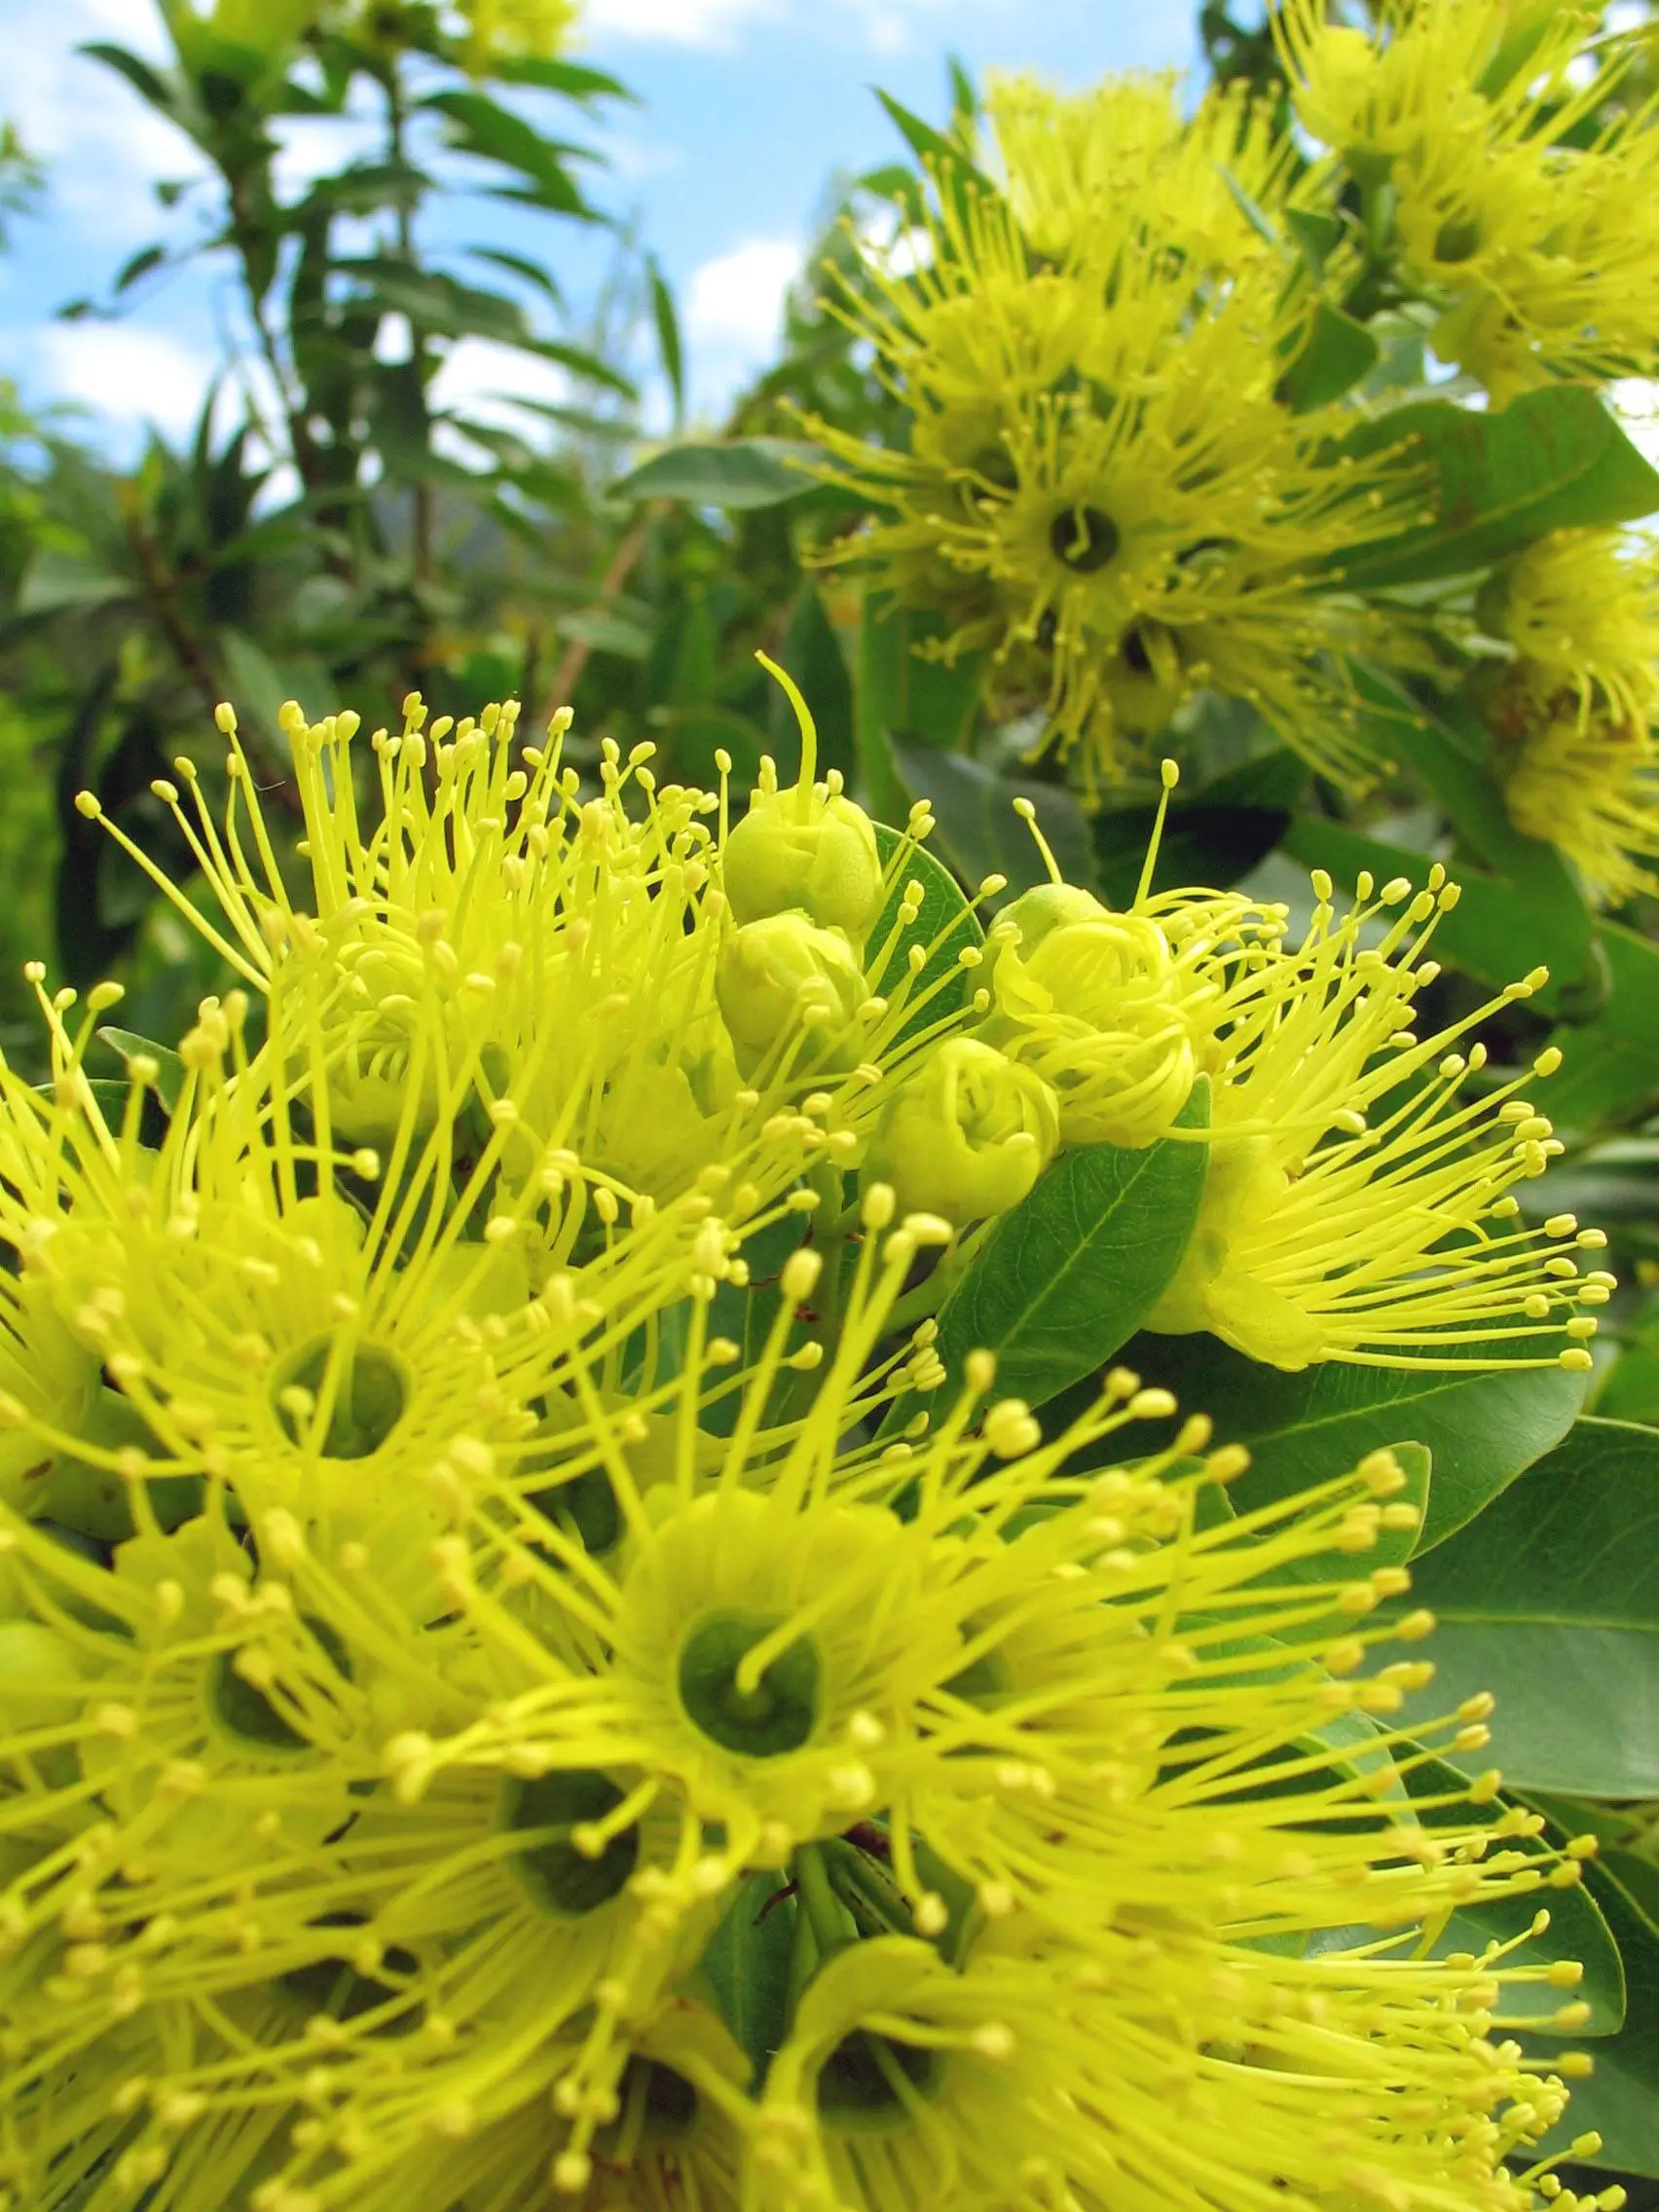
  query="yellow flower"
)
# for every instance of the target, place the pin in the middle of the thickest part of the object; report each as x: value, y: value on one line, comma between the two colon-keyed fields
x: 1102, y: 485
x: 1119, y: 1013
x: 966, y: 1136
x: 1581, y: 610
x: 1580, y: 778
x: 495, y: 919
x: 1358, y: 1204
x: 499, y: 32
x: 1533, y: 232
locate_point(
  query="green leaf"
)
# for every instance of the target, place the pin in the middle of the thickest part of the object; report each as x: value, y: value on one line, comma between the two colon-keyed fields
x: 1577, y: 1930
x: 1316, y: 235
x: 1494, y: 931
x: 520, y: 265
x: 812, y: 653
x: 574, y: 79
x: 1210, y: 838
x: 746, y: 1964
x: 980, y: 831
x: 1484, y: 1426
x: 1613, y: 1063
x: 946, y: 926
x: 480, y: 126
x: 1552, y: 460
x: 1551, y: 1602
x: 1620, y: 2101
x: 436, y: 304
x: 1068, y: 1276
x: 130, y: 1046
x: 1335, y: 355
x: 146, y: 82
x: 55, y: 582
x: 139, y: 265
x: 943, y: 158
x: 669, y: 347
x: 737, y: 473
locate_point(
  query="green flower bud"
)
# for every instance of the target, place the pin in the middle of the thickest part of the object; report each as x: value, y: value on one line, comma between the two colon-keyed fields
x: 807, y: 848
x: 968, y: 1135
x: 781, y: 977
x: 1101, y: 1009
x: 1024, y: 922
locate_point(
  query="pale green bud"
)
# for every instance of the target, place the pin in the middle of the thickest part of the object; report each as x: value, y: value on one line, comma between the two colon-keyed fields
x: 968, y: 1135
x: 782, y: 976
x: 809, y: 849
x: 1024, y: 922
x: 1100, y: 1008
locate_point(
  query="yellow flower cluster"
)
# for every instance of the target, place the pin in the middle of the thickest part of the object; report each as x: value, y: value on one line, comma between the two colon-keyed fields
x: 505, y: 1701
x: 1571, y: 712
x: 1531, y: 229
x: 1110, y: 482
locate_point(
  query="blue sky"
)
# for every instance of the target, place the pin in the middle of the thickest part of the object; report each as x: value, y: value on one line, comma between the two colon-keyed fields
x: 746, y: 107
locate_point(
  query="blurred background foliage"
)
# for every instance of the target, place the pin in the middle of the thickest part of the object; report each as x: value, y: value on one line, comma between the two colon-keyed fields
x: 335, y: 534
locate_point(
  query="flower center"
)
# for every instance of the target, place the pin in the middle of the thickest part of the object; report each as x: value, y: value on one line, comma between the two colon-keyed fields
x: 1085, y: 538
x: 242, y: 1709
x: 586, y: 1508
x: 564, y: 1877
x: 657, y: 2107
x: 776, y: 1714
x: 871, y: 2081
x: 369, y: 1398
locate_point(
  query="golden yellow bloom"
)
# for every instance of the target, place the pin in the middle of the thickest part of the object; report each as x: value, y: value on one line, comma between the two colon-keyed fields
x: 1535, y: 238
x: 514, y: 31
x: 494, y: 918
x: 1358, y: 1203
x: 1102, y: 485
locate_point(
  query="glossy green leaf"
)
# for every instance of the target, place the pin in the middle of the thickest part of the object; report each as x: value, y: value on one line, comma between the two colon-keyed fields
x: 945, y: 926
x: 1482, y: 1426
x: 57, y: 584
x: 574, y: 79
x: 1613, y: 1063
x: 980, y: 831
x: 944, y: 159
x: 1551, y: 1602
x: 1212, y: 836
x: 1495, y: 932
x: 1067, y: 1277
x: 1552, y: 460
x: 146, y: 81
x: 1335, y: 355
x: 1620, y: 2101
x: 736, y: 472
x: 745, y: 1964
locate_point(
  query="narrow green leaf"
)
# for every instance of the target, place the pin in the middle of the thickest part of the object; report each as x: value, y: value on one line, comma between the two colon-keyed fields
x: 1613, y: 1063
x: 1068, y: 1276
x: 55, y: 582
x: 520, y: 265
x: 669, y: 347
x: 482, y: 126
x: 1318, y: 236
x: 147, y: 81
x: 1552, y: 460
x: 1335, y: 355
x: 944, y: 159
x: 138, y: 266
x: 739, y: 472
x: 574, y: 79
x: 946, y: 926
x: 1551, y: 1602
x: 1482, y: 1426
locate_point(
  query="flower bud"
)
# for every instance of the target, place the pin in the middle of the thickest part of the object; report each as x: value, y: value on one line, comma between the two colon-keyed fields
x: 1099, y: 1009
x: 809, y: 849
x: 966, y: 1136
x: 782, y: 975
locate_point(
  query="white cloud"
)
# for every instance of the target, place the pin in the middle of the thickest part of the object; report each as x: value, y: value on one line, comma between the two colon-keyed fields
x: 734, y: 309
x: 675, y: 23
x: 125, y: 374
x: 103, y: 144
x: 482, y: 378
